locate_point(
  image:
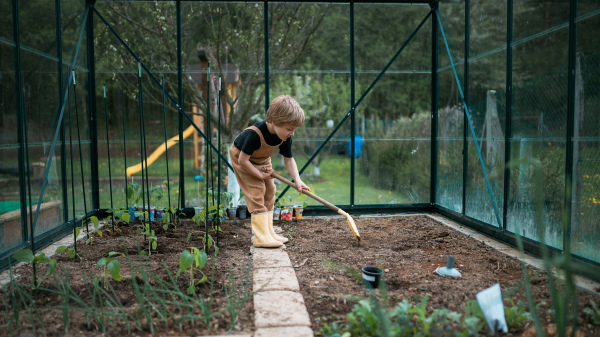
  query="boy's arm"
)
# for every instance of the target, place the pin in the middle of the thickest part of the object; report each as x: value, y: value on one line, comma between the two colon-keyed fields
x: 244, y: 161
x: 290, y: 164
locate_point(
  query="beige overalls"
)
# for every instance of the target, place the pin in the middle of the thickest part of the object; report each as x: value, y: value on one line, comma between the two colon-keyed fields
x: 259, y: 194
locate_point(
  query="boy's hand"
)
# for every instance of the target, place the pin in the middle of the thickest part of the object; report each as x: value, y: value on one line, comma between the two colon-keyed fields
x: 300, y: 186
x: 266, y: 173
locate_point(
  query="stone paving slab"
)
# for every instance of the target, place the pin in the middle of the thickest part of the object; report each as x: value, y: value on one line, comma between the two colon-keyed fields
x: 275, y: 279
x: 279, y: 309
x: 270, y: 258
x: 289, y: 331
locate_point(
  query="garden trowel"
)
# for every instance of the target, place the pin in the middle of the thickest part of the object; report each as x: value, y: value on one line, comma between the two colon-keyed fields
x: 324, y: 202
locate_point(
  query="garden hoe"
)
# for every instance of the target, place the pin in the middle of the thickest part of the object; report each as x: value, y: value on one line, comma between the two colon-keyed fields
x: 324, y: 202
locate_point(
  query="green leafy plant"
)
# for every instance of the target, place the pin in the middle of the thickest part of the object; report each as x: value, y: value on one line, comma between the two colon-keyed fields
x: 27, y: 256
x: 118, y: 216
x: 188, y: 261
x: 156, y: 194
x: 133, y: 191
x: 283, y: 202
x: 593, y: 312
x: 71, y: 253
x: 111, y: 266
x: 152, y: 239
x: 166, y: 219
x: 90, y: 238
x: 516, y: 315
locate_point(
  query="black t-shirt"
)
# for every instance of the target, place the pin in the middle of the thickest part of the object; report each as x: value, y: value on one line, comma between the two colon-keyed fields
x: 249, y: 141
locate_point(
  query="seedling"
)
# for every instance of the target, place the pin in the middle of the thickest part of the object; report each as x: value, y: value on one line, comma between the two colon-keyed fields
x: 111, y: 266
x: 189, y: 260
x: 71, y: 253
x: 119, y: 216
x: 152, y: 239
x: 593, y: 312
x: 27, y: 256
x: 166, y: 218
x: 90, y: 240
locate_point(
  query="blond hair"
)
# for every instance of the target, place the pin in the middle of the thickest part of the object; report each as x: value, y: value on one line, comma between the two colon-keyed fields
x: 285, y: 110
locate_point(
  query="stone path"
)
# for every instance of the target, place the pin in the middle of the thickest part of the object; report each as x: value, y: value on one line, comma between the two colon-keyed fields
x: 279, y: 308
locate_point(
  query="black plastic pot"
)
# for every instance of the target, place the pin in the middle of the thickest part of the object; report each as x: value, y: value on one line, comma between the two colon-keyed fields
x: 242, y: 211
x: 231, y: 213
x: 371, y: 276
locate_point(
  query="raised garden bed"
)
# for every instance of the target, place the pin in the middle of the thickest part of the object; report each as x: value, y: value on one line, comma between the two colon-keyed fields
x: 151, y: 280
x: 409, y: 249
x: 327, y: 261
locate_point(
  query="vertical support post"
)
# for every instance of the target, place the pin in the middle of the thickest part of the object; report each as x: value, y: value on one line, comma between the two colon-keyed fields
x: 466, y: 95
x: 63, y: 160
x: 434, y: 103
x: 352, y: 104
x: 508, y: 127
x: 19, y: 111
x: 92, y: 108
x: 266, y: 24
x: 577, y: 158
x: 181, y: 104
x: 570, y: 128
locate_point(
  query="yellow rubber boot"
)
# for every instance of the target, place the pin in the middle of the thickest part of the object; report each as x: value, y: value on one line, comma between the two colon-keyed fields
x: 260, y: 228
x: 273, y: 234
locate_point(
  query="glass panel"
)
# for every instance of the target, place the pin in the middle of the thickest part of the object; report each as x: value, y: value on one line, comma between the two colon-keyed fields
x: 539, y: 115
x: 10, y: 214
x: 451, y: 111
x: 487, y: 95
x: 450, y: 143
x: 72, y: 15
x: 41, y: 115
x: 38, y: 31
x: 394, y: 120
x: 311, y: 64
x: 585, y: 231
x: 393, y: 165
x: 6, y: 22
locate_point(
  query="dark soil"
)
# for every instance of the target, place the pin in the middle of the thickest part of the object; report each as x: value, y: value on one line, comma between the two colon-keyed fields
x: 323, y: 250
x: 234, y: 243
x: 409, y: 249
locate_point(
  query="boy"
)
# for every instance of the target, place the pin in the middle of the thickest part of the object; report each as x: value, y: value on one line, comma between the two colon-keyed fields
x: 251, y: 154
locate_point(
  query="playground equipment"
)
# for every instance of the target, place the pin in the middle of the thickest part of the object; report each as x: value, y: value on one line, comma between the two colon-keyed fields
x: 159, y: 151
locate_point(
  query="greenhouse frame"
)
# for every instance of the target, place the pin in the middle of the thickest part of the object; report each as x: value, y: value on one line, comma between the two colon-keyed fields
x: 460, y: 130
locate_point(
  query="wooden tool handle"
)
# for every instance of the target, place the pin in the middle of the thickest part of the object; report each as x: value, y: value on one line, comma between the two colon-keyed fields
x: 310, y: 194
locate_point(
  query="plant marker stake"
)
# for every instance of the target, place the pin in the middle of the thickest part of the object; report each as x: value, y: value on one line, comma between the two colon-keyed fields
x: 72, y: 170
x: 108, y: 154
x: 449, y: 269
x: 87, y: 227
x: 490, y: 301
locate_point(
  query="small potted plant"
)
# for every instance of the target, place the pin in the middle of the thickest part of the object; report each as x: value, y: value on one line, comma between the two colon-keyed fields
x: 227, y: 200
x: 286, y: 211
x: 133, y: 193
x: 155, y: 196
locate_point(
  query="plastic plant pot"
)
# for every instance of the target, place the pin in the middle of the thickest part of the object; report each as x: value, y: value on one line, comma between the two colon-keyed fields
x: 298, y: 211
x: 132, y: 212
x: 198, y: 210
x: 231, y: 213
x: 286, y: 215
x: 371, y: 276
x: 242, y: 211
x: 152, y: 213
x: 159, y: 213
x: 276, y: 214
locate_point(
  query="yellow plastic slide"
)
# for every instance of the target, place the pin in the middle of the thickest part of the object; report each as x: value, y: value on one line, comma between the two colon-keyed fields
x: 131, y: 170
